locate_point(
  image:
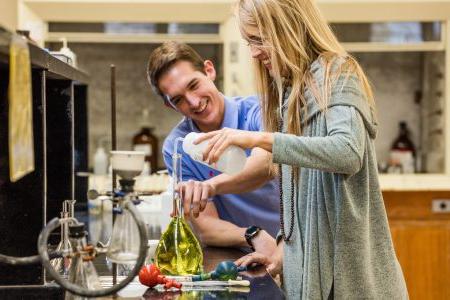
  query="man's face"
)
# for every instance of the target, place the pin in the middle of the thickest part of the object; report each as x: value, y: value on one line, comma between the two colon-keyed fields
x: 194, y: 94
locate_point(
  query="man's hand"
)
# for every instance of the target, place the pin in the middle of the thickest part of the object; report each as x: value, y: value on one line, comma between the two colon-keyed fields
x: 273, y: 263
x: 195, y: 195
x: 264, y: 243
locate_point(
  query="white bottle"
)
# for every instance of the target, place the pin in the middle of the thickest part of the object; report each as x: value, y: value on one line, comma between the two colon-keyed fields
x: 100, y: 162
x: 67, y: 52
x: 232, y: 160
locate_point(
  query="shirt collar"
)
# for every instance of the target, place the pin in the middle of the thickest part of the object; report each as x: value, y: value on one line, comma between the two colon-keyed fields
x: 230, y: 118
x: 231, y: 114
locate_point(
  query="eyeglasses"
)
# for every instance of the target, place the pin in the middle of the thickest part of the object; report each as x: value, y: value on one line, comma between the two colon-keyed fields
x: 179, y: 100
x: 255, y: 41
x: 174, y: 103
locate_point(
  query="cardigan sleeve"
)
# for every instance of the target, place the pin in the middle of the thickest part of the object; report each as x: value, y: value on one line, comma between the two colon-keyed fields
x: 340, y: 151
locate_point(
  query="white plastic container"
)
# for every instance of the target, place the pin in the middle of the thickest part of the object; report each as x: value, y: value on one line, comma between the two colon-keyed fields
x: 100, y: 162
x: 68, y: 53
x: 232, y: 160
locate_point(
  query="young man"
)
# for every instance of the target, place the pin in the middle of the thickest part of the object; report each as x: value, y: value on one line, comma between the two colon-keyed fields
x: 236, y: 216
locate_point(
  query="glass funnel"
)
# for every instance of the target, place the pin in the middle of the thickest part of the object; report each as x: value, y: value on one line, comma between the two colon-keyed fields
x: 178, y: 251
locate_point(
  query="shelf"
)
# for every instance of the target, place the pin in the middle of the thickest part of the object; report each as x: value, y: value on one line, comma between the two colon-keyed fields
x: 388, y: 182
x: 414, y: 182
x: 158, y: 11
x: 390, y: 47
x: 84, y: 37
x: 384, y: 10
x: 56, y: 69
x: 217, y: 11
x: 155, y: 183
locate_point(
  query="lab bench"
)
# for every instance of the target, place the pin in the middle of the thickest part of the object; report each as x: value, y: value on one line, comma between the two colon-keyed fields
x: 262, y: 285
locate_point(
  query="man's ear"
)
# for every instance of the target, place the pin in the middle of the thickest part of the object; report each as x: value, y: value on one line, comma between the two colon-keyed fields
x: 209, y: 69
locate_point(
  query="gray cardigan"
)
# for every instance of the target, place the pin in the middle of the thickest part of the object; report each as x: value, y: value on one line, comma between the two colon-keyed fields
x: 341, y: 246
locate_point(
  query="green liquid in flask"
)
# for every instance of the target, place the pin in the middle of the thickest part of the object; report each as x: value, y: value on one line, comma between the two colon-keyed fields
x: 178, y: 251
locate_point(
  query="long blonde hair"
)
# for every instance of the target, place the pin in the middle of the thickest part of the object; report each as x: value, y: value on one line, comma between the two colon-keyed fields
x: 294, y: 33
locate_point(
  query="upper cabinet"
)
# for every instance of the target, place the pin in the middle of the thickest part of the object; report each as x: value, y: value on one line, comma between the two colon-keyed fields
x: 403, y: 45
x: 407, y: 65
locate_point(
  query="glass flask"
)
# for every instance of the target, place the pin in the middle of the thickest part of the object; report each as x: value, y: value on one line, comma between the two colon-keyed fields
x: 178, y: 251
x: 125, y: 241
x: 62, y: 264
x: 82, y: 271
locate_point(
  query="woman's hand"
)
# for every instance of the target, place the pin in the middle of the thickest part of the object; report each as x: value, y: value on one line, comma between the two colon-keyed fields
x: 273, y: 264
x: 219, y: 140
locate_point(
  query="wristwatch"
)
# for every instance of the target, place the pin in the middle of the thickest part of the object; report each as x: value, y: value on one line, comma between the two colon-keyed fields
x: 250, y: 233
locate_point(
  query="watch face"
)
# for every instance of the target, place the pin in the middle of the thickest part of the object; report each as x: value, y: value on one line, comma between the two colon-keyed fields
x: 251, y: 231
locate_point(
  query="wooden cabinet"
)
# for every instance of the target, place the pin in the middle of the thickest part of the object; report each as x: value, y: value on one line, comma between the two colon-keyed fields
x: 422, y: 242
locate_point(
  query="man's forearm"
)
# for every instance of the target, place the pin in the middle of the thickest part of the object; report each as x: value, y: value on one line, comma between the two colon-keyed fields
x: 216, y: 232
x: 256, y: 172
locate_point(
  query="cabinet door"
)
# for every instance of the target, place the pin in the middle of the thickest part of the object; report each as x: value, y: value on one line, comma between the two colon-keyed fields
x: 423, y: 249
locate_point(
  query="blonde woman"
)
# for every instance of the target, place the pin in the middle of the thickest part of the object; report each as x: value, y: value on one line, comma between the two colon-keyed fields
x: 318, y: 112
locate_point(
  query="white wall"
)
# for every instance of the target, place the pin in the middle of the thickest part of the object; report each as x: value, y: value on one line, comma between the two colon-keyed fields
x: 15, y: 14
x: 237, y: 65
x: 8, y: 14
x: 28, y: 20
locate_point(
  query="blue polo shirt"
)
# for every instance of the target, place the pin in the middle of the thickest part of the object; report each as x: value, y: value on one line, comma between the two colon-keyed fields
x: 259, y: 207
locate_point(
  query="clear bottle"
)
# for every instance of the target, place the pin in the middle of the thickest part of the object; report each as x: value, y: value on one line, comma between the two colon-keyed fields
x: 145, y: 141
x: 95, y: 211
x: 232, y: 160
x: 82, y: 271
x: 403, y: 150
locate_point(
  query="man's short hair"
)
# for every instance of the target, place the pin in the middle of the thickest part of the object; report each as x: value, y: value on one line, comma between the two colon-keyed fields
x: 165, y: 56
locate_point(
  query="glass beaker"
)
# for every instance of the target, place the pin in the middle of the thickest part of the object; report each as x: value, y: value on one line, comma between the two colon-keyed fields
x: 125, y: 241
x: 82, y: 271
x: 178, y: 251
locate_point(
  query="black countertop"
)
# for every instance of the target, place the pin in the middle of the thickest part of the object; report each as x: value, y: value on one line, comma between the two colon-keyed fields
x: 262, y: 286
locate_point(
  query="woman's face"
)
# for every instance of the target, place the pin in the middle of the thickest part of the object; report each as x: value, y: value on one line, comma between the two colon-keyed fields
x: 258, y: 49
